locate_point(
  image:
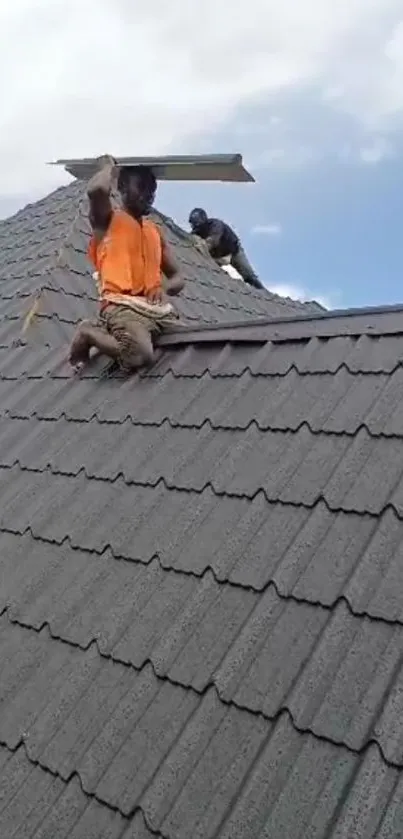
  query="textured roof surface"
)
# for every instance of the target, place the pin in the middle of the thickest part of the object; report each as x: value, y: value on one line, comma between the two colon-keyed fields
x: 45, y: 245
x: 201, y: 590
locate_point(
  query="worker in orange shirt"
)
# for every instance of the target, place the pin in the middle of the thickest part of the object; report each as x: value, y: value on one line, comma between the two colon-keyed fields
x: 130, y: 255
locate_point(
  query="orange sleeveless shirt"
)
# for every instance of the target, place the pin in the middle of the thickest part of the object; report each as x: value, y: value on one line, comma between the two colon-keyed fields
x: 128, y: 257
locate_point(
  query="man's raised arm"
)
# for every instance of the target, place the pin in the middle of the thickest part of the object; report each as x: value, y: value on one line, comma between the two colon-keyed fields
x: 99, y: 191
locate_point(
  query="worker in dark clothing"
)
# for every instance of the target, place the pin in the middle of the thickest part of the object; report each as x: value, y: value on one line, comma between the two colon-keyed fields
x: 222, y: 242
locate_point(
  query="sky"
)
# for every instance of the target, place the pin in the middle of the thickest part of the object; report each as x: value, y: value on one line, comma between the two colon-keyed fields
x: 309, y: 91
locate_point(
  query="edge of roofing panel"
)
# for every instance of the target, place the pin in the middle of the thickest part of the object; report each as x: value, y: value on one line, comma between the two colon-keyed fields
x: 377, y: 320
x: 210, y: 167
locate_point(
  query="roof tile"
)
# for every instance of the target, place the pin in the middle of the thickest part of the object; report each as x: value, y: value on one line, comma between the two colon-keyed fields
x: 37, y: 805
x: 201, y: 586
x: 338, y: 675
x: 181, y: 759
x: 290, y: 467
x: 313, y: 555
x: 333, y: 403
x: 362, y: 354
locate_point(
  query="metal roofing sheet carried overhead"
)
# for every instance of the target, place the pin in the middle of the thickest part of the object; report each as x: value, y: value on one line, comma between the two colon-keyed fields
x: 210, y: 167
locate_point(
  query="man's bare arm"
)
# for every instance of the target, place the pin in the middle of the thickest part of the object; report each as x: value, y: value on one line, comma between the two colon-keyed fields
x: 173, y: 283
x: 98, y: 191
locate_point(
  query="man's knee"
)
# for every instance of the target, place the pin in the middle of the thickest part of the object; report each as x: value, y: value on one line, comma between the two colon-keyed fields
x: 136, y: 348
x: 145, y: 349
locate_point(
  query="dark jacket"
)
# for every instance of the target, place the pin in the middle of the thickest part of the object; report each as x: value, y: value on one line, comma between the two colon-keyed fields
x: 225, y: 241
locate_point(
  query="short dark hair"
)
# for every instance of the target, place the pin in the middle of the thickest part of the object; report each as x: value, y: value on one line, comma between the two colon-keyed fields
x: 198, y: 216
x: 144, y: 173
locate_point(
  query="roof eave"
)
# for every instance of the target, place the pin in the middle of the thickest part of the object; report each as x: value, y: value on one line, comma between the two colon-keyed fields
x: 384, y: 320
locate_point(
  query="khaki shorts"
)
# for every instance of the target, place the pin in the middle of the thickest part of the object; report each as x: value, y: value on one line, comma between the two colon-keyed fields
x: 123, y: 323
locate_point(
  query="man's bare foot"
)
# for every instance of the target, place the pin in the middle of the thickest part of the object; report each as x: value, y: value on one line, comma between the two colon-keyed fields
x: 80, y: 346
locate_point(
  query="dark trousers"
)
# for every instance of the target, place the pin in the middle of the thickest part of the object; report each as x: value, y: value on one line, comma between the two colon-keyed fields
x: 239, y: 260
x: 241, y: 263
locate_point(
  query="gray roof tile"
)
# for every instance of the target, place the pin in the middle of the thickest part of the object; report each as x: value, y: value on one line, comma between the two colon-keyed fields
x: 359, y: 354
x: 201, y: 581
x: 198, y: 619
x: 297, y: 468
x: 335, y: 403
x: 194, y: 766
x: 314, y: 555
x: 377, y: 355
x: 136, y: 742
x: 35, y: 804
x: 339, y: 676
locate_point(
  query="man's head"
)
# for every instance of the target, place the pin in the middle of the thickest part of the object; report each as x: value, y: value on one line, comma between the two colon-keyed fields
x: 137, y: 186
x: 197, y: 219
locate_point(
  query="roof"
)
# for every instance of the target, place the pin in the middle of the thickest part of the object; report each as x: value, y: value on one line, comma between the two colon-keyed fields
x: 45, y: 244
x: 201, y: 586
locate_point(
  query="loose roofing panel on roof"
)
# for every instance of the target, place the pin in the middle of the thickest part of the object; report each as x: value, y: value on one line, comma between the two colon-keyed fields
x: 202, y: 587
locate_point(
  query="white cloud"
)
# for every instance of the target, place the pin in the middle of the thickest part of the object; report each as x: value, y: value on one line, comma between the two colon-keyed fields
x: 267, y: 230
x: 85, y: 78
x: 329, y: 301
x: 375, y: 150
x: 379, y: 149
x: 293, y: 156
